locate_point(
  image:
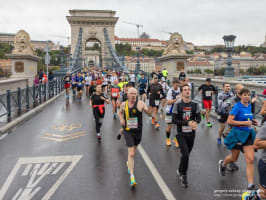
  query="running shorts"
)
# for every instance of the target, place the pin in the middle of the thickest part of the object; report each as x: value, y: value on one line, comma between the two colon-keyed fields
x: 79, y: 88
x: 154, y: 102
x: 132, y: 138
x: 67, y: 85
x: 207, y: 104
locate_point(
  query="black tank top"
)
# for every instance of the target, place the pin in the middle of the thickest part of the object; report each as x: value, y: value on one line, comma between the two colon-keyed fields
x: 134, y: 112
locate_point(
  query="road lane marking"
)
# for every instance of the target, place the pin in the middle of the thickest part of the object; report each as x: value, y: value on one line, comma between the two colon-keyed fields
x: 64, y: 136
x: 62, y: 140
x: 166, y: 191
x: 41, y: 168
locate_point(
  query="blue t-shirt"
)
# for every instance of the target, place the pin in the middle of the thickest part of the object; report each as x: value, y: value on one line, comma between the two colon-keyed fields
x: 142, y: 83
x: 242, y: 113
x: 79, y: 81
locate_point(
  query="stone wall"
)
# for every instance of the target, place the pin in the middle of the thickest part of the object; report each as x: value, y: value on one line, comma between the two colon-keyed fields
x: 13, y: 84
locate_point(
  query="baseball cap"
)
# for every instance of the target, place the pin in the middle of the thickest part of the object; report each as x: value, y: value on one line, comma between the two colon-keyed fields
x: 208, y: 79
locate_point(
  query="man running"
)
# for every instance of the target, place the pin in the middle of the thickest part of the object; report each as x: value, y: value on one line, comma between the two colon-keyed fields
x: 67, y: 80
x: 115, y: 93
x: 142, y: 84
x: 132, y: 78
x: 223, y: 110
x: 207, y: 91
x: 173, y: 96
x: 186, y: 115
x: 154, y: 91
x: 163, y: 96
x: 131, y: 120
x: 74, y: 84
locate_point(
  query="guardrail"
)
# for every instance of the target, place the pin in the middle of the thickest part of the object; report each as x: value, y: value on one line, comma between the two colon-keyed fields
x: 15, y: 103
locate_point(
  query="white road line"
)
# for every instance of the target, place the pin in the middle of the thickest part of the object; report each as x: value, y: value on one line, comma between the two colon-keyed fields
x: 59, y: 168
x: 27, y: 170
x: 43, y: 169
x: 166, y: 191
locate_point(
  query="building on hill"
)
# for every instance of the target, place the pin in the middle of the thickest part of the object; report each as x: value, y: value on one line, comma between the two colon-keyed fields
x: 147, y: 64
x: 143, y: 43
x: 8, y: 38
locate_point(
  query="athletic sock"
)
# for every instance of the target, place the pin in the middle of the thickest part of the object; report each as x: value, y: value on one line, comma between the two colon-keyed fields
x: 132, y: 176
x: 168, y: 134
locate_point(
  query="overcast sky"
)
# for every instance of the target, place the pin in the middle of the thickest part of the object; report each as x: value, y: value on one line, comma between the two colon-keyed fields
x: 201, y: 22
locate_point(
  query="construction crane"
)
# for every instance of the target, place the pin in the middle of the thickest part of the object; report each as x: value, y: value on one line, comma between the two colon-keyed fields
x: 137, y: 25
x: 61, y: 36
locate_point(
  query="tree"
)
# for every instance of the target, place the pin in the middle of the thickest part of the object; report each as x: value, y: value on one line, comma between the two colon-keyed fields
x: 5, y: 49
x: 208, y: 71
x: 144, y: 36
x: 197, y: 71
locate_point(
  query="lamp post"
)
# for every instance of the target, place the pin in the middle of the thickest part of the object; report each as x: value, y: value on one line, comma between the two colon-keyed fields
x: 229, y: 44
x: 137, y: 69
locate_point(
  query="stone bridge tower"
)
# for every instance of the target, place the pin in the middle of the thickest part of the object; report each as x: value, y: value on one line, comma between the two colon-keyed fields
x: 93, y: 22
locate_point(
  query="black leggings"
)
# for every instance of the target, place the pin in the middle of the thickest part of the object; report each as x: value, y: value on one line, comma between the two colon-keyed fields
x: 186, y: 143
x: 97, y: 117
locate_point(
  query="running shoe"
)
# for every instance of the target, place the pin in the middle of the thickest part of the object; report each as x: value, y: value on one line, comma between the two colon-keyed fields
x: 252, y: 187
x: 99, y: 136
x: 222, y: 169
x: 202, y: 116
x: 152, y: 121
x: 250, y: 196
x: 183, y: 181
x: 176, y: 143
x: 118, y: 137
x: 168, y: 142
x: 157, y: 126
x: 232, y: 167
x: 133, y: 182
x: 219, y: 141
x: 209, y: 124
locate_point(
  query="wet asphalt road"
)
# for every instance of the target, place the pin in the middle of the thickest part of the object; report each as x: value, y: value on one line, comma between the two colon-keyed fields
x: 63, y: 160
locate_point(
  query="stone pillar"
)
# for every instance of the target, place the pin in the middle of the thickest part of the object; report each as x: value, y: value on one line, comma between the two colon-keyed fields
x: 23, y: 66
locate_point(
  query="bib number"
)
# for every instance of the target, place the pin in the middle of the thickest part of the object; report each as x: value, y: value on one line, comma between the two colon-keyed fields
x: 114, y: 94
x: 67, y: 79
x: 79, y: 84
x: 132, y: 122
x: 157, y: 102
x: 168, y: 119
x: 186, y: 129
x: 208, y: 93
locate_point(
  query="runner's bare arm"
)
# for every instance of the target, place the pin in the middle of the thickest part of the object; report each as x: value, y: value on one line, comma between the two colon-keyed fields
x: 121, y: 111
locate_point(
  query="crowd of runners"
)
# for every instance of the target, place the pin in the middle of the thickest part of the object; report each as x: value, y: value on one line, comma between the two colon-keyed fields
x: 132, y: 94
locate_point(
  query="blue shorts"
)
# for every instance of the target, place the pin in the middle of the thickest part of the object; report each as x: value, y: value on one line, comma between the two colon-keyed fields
x: 262, y: 173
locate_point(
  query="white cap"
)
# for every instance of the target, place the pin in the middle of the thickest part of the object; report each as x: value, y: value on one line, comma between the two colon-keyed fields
x: 162, y: 79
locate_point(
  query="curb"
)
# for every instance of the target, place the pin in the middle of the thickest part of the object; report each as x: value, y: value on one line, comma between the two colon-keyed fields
x: 27, y: 115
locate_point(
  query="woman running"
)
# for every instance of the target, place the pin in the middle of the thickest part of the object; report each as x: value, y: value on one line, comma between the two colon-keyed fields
x: 241, y: 137
x: 97, y: 103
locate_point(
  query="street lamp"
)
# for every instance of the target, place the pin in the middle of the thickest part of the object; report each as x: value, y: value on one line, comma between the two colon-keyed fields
x: 137, y: 69
x: 229, y: 44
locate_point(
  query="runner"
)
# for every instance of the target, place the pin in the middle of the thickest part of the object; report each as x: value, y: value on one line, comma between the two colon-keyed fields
x: 105, y: 84
x: 131, y: 120
x: 241, y: 137
x: 223, y: 110
x: 186, y: 115
x: 97, y: 103
x: 142, y: 84
x: 87, y: 83
x: 163, y: 96
x: 132, y: 78
x: 67, y: 80
x: 173, y: 96
x: 73, y: 84
x: 115, y: 93
x: 207, y: 91
x: 154, y: 91
x: 80, y: 82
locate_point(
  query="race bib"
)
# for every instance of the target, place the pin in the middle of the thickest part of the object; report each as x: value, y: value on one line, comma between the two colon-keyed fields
x: 186, y: 129
x: 80, y: 84
x: 208, y: 93
x: 161, y: 96
x: 157, y: 102
x: 114, y: 94
x: 168, y: 119
x: 132, y: 122
x: 67, y: 79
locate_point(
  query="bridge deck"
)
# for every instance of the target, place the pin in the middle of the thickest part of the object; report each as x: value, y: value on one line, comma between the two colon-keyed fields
x: 56, y: 155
